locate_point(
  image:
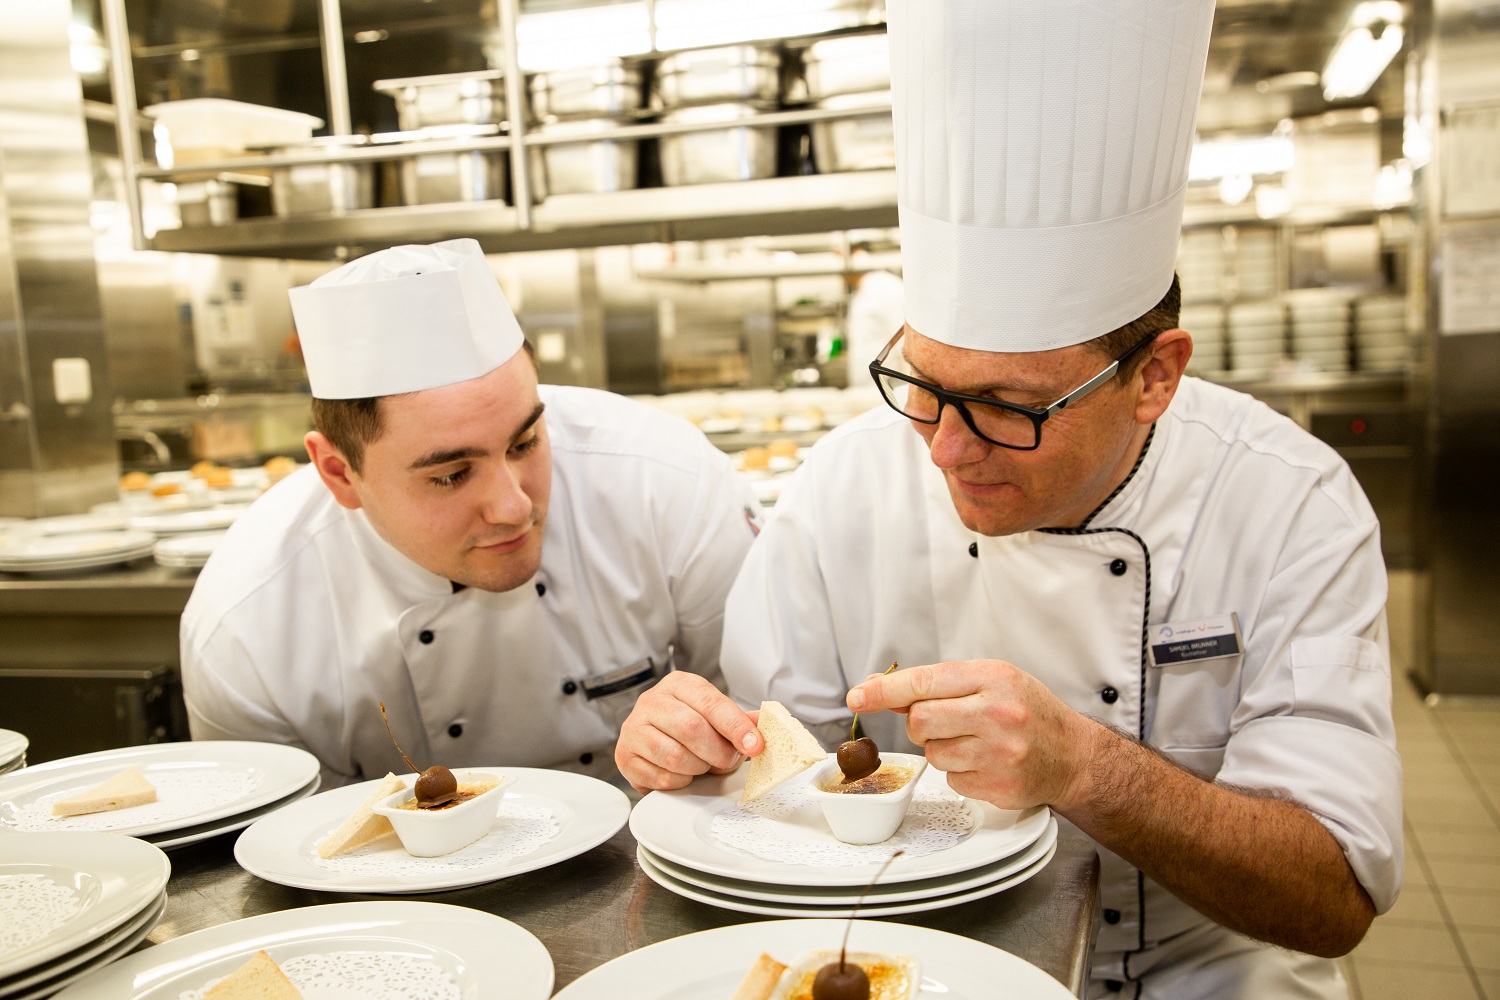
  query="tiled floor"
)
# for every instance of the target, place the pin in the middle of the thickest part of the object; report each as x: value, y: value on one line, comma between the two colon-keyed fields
x: 1442, y: 939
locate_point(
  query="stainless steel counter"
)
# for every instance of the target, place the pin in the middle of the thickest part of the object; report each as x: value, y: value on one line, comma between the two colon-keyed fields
x: 600, y: 905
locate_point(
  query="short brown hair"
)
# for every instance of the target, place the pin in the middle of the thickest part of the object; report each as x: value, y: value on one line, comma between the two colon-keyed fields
x: 351, y: 424
x: 1163, y: 316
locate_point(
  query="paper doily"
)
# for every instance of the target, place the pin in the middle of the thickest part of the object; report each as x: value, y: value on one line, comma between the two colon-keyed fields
x: 32, y: 907
x: 518, y: 831
x: 360, y: 975
x: 788, y: 826
x: 180, y: 793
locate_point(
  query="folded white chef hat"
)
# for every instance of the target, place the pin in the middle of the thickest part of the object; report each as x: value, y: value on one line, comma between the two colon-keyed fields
x: 1041, y: 159
x: 402, y: 320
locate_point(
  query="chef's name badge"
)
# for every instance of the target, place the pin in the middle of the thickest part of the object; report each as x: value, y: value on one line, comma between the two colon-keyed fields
x: 1204, y: 639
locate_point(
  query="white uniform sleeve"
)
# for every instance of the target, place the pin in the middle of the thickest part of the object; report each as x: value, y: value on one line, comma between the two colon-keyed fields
x: 713, y: 536
x: 1314, y: 717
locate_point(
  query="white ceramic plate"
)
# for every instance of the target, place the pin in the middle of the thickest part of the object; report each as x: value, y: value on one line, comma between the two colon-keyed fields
x: 741, y: 905
x: 709, y: 965
x: 72, y: 524
x: 30, y: 550
x: 266, y: 772
x: 90, y: 884
x: 879, y: 894
x: 12, y: 745
x: 187, y: 521
x: 193, y: 834
x: 75, y: 964
x: 481, y: 954
x: 281, y: 847
x: 677, y: 825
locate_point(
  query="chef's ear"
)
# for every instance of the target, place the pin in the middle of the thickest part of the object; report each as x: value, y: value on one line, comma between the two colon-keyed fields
x: 333, y: 468
x: 1161, y: 373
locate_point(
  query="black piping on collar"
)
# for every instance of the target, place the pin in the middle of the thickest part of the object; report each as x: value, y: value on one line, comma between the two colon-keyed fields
x: 1141, y: 458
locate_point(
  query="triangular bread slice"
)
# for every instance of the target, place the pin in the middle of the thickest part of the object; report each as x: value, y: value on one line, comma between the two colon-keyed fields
x: 363, y: 825
x: 760, y: 980
x: 258, y: 979
x: 790, y: 750
x: 126, y: 789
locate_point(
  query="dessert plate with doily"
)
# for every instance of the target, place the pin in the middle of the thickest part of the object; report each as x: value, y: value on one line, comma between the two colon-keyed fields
x: 192, y: 834
x: 196, y: 783
x: 543, y: 817
x: 391, y: 950
x: 61, y: 895
x: 709, y: 965
x: 783, y: 840
x: 76, y: 964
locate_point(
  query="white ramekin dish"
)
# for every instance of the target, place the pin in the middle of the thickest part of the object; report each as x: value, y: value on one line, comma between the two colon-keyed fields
x: 429, y: 833
x: 865, y: 819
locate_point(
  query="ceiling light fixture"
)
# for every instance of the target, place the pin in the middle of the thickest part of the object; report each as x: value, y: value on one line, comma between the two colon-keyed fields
x: 1371, y: 39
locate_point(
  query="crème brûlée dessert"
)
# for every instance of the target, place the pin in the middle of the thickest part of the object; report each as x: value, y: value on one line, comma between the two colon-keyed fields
x: 429, y: 831
x: 466, y: 791
x: 891, y: 977
x: 888, y: 778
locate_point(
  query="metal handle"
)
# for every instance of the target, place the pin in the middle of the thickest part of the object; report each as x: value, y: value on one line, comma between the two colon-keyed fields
x: 122, y: 83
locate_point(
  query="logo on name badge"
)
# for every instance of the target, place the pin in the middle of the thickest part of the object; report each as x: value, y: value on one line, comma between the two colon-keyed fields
x: 1204, y: 639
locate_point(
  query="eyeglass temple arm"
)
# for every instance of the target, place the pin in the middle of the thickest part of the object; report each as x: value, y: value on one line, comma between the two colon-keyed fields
x: 1086, y: 388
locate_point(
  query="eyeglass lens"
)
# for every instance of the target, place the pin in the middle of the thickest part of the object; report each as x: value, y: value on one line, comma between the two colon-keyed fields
x: 1001, y: 426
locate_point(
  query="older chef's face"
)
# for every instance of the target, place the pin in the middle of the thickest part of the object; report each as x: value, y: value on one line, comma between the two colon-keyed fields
x: 1086, y: 449
x: 459, y: 478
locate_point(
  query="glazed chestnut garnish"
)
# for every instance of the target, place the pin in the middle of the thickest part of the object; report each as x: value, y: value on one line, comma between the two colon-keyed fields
x: 435, y: 786
x: 843, y: 980
x: 859, y: 758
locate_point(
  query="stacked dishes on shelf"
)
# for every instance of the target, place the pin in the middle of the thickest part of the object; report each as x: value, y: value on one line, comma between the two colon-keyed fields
x: 778, y: 857
x: 190, y: 551
x: 1380, y: 339
x: 1257, y: 335
x: 731, y: 85
x: 12, y: 750
x: 1200, y: 265
x: 71, y: 905
x: 1320, y: 328
x: 851, y: 73
x: 1255, y: 265
x: 22, y: 552
x: 449, y: 106
x: 202, y: 789
x: 576, y: 103
x: 1206, y: 324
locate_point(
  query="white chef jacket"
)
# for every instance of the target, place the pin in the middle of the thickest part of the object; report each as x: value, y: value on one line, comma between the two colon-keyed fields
x: 877, y: 309
x: 1232, y: 508
x: 305, y: 619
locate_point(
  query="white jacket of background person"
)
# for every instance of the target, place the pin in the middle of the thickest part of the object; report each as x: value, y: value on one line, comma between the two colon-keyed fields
x: 304, y: 619
x: 877, y: 309
x: 1232, y: 509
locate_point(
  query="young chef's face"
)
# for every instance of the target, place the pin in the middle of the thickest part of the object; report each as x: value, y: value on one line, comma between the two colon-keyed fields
x: 459, y: 479
x: 1086, y: 448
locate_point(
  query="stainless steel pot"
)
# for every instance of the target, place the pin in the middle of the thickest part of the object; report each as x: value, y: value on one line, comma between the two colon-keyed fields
x: 322, y: 188
x: 586, y: 166
x: 862, y: 142
x: 475, y: 98
x: 853, y: 64
x: 742, y: 73
x: 612, y: 90
x: 441, y: 177
x: 738, y: 152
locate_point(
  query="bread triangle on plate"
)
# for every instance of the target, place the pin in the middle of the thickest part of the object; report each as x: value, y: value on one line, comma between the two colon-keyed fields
x: 258, y: 979
x: 126, y: 789
x: 760, y: 980
x: 363, y: 825
x: 790, y: 750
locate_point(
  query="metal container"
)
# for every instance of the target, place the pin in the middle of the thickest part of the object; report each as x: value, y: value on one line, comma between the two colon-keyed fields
x: 741, y: 73
x: 207, y: 203
x: 476, y: 98
x: 613, y: 90
x: 853, y: 64
x: 587, y: 166
x: 862, y: 142
x: 737, y: 152
x: 441, y: 177
x: 322, y: 188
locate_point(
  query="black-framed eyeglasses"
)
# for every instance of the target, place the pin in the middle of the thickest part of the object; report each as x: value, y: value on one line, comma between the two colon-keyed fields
x: 1009, y: 425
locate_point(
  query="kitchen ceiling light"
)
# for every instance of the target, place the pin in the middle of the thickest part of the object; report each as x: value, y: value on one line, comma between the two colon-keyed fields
x: 1370, y: 41
x: 1220, y: 158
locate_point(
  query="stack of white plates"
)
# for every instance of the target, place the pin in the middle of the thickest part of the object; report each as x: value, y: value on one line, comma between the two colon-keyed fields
x: 1256, y: 337
x: 1320, y: 329
x: 12, y: 751
x: 1200, y: 264
x: 188, y: 521
x: 187, y: 551
x: 1380, y: 338
x: 202, y: 789
x: 1255, y: 263
x: 679, y: 849
x: 23, y: 553
x: 1206, y: 324
x: 386, y: 950
x: 71, y: 905
x: 75, y: 524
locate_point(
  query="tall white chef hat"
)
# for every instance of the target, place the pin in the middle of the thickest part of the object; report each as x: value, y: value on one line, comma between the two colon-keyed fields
x: 1041, y: 159
x: 402, y: 320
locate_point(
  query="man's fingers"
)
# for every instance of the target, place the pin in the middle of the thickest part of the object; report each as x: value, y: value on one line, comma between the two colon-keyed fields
x: 645, y: 776
x: 728, y: 719
x: 667, y: 752
x: 907, y: 687
x: 945, y: 719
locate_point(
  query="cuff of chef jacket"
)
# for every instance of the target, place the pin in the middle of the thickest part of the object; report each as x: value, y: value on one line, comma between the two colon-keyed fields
x: 1347, y: 778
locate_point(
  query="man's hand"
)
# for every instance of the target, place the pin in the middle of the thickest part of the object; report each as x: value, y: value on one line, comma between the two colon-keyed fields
x: 682, y: 727
x: 1001, y: 735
